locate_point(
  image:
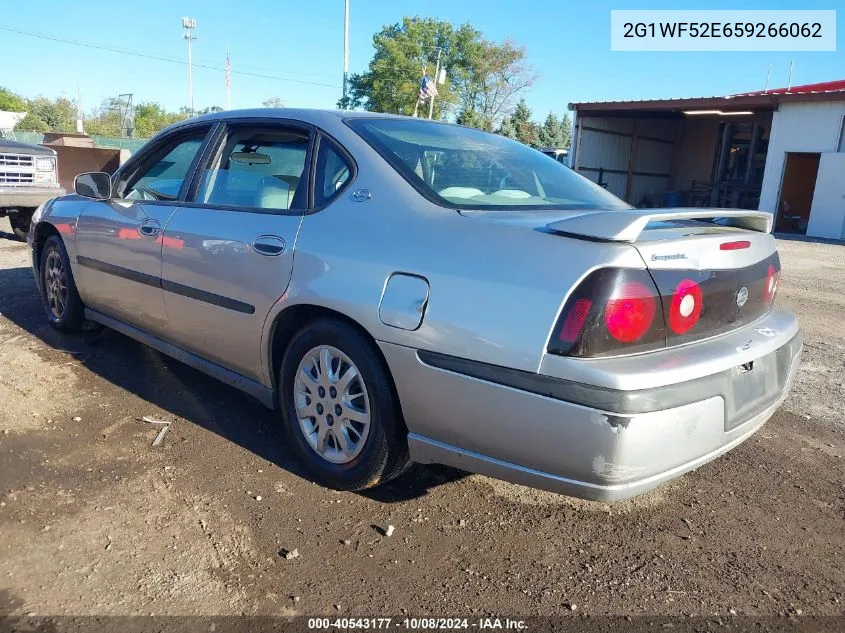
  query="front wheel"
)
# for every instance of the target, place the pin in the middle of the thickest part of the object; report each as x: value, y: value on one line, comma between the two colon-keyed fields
x: 20, y: 223
x: 59, y: 296
x: 339, y: 407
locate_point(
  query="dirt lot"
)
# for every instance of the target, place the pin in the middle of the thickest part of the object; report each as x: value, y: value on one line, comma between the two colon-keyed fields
x: 94, y: 520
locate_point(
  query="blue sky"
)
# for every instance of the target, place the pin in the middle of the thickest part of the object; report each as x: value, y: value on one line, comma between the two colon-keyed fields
x: 568, y: 44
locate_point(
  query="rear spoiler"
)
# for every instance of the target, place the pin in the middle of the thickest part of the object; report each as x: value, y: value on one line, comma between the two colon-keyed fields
x: 626, y: 226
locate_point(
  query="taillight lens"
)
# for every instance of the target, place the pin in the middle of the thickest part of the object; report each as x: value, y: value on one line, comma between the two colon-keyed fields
x: 771, y: 288
x: 574, y: 322
x: 685, y: 307
x: 612, y: 311
x: 630, y: 315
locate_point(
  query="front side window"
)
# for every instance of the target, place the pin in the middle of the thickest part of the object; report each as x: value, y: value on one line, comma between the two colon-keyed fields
x: 161, y: 177
x: 333, y: 172
x: 464, y: 168
x: 258, y: 169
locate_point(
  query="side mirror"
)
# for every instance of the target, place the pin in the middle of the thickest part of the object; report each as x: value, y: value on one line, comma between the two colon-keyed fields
x: 95, y: 184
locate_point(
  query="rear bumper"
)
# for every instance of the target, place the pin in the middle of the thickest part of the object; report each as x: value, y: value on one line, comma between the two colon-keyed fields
x: 23, y: 196
x: 574, y: 448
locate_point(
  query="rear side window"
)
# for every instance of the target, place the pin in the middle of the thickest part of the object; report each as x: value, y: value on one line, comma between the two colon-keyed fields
x: 463, y: 168
x: 333, y: 172
x: 258, y: 169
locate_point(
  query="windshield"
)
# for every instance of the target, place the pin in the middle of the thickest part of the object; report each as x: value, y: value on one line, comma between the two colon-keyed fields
x: 465, y: 168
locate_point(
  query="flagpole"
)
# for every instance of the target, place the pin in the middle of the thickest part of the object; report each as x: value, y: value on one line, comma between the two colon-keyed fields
x: 436, y: 73
x: 228, y: 81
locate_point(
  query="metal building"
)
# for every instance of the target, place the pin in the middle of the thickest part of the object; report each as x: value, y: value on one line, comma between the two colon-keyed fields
x: 780, y: 150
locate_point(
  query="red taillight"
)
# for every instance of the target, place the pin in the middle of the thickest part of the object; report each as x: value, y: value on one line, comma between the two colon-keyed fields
x: 574, y: 321
x: 771, y: 288
x: 629, y: 316
x: 734, y: 246
x: 611, y: 311
x: 685, y: 307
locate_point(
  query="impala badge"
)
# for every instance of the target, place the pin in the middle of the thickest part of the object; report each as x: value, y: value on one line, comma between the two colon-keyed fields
x: 741, y: 297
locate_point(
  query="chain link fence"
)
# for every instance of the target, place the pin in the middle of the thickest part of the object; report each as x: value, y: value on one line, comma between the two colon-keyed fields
x: 110, y: 142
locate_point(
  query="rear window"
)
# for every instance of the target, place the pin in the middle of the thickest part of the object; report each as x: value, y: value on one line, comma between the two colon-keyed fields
x: 465, y: 168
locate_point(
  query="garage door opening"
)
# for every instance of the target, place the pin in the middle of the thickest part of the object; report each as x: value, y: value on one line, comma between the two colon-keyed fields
x: 796, y: 192
x: 675, y: 158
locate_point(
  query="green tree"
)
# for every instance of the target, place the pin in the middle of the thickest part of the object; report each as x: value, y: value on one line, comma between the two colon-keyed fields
x: 520, y: 127
x: 105, y: 120
x: 402, y: 50
x: 31, y: 123
x: 11, y: 101
x: 473, y: 118
x: 556, y: 132
x: 498, y: 74
x: 59, y: 114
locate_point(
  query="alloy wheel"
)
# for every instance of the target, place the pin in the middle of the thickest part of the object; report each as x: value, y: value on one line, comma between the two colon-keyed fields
x: 332, y: 404
x: 55, y: 284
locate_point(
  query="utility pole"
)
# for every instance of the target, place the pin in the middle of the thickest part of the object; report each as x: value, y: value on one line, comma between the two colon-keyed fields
x: 346, y: 55
x: 189, y: 24
x: 436, y: 77
x: 228, y: 81
x: 79, y: 125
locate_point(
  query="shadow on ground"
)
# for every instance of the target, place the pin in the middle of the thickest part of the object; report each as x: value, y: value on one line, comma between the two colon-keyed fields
x: 797, y: 237
x: 171, y: 386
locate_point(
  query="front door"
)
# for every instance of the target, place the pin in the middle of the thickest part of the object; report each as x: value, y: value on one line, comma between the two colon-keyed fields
x: 227, y: 252
x: 119, y: 241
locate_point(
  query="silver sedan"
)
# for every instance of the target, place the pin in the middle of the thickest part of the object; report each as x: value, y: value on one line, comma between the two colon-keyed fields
x: 408, y: 290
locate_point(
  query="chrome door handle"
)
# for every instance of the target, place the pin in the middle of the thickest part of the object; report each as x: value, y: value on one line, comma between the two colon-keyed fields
x: 268, y: 245
x: 149, y: 228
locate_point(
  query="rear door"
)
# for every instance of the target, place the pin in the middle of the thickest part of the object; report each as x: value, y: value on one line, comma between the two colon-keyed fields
x: 228, y: 252
x: 118, y: 241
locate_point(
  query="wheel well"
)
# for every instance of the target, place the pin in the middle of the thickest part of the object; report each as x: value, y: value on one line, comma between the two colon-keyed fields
x: 43, y: 231
x: 294, y: 318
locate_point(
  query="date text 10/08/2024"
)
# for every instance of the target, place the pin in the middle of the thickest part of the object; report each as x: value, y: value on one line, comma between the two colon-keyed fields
x: 417, y: 624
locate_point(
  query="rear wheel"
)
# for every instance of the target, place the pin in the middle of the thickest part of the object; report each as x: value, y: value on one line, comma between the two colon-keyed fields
x: 20, y: 222
x: 59, y: 296
x: 339, y: 407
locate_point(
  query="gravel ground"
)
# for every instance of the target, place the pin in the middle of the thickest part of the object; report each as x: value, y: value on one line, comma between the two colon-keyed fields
x: 94, y: 520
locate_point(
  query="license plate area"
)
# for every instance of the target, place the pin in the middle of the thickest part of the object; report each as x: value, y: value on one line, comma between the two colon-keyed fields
x: 752, y: 387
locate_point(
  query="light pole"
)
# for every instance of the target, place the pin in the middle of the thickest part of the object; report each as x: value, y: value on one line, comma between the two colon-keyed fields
x: 189, y: 24
x: 346, y: 54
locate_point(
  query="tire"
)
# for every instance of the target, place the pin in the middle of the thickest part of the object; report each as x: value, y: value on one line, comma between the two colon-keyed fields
x: 381, y: 450
x: 20, y: 223
x: 59, y: 296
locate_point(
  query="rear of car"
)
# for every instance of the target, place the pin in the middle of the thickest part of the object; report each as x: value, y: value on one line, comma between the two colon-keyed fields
x: 665, y: 352
x: 686, y: 357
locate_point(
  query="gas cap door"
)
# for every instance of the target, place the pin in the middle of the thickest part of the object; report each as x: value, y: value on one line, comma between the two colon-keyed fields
x: 404, y: 301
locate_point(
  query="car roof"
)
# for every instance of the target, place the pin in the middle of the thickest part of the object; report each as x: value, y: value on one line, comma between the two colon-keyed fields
x: 308, y: 115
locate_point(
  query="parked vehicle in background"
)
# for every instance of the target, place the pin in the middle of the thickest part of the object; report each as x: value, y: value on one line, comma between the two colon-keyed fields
x: 410, y: 290
x: 560, y: 155
x: 29, y: 175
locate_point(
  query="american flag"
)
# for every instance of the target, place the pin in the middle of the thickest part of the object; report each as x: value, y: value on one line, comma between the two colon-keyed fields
x: 427, y: 88
x: 228, y: 71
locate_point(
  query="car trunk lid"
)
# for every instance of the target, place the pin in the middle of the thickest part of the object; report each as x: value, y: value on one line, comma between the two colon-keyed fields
x: 715, y: 269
